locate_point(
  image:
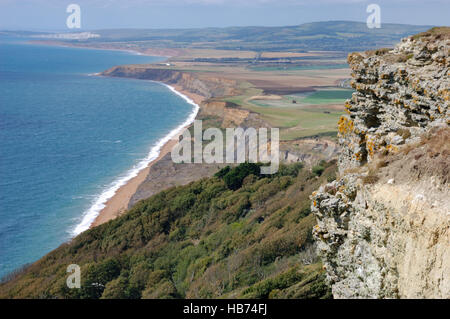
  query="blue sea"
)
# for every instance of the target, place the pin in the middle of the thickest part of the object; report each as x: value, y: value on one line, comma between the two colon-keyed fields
x: 69, y: 139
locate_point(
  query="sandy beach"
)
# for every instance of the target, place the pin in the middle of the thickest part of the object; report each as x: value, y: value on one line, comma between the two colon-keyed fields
x: 118, y: 203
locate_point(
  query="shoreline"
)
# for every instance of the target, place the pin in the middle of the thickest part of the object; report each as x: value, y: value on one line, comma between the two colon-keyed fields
x: 153, y: 52
x: 113, y: 201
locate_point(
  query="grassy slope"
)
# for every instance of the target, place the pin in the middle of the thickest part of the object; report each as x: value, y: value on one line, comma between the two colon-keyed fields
x: 200, y: 240
x: 327, y: 97
x: 310, y: 116
x: 298, y: 122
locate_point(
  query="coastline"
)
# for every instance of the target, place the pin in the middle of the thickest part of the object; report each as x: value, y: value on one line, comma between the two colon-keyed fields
x: 147, y: 52
x: 112, y: 202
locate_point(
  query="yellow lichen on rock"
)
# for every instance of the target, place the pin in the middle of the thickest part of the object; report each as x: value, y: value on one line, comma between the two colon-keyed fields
x: 345, y: 125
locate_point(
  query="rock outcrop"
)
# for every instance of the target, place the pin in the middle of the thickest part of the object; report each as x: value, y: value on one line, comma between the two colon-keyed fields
x: 383, y: 225
x: 206, y: 86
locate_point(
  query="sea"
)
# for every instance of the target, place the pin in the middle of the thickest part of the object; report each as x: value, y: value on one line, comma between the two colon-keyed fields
x: 69, y: 139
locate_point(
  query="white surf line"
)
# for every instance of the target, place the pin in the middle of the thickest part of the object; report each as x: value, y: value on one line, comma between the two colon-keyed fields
x: 100, y: 201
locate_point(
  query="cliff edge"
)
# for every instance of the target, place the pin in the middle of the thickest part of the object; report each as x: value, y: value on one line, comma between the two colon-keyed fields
x: 383, y: 224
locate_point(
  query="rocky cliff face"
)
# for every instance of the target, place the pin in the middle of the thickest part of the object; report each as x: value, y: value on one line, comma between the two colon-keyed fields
x: 383, y: 225
x: 201, y: 85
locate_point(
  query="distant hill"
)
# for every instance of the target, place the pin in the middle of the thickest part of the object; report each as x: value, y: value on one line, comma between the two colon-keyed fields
x: 347, y: 36
x: 333, y: 35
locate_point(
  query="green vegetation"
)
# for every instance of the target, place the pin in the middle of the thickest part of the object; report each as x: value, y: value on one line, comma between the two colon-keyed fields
x: 312, y: 114
x: 436, y: 32
x: 319, y: 169
x: 202, y: 240
x: 319, y: 97
x: 297, y: 123
x: 327, y: 97
x: 299, y: 67
x: 345, y: 36
x: 234, y: 178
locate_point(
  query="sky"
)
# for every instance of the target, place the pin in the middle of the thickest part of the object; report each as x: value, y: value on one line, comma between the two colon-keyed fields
x: 51, y: 15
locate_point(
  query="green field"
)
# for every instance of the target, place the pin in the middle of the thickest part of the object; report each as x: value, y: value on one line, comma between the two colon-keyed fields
x: 297, y: 123
x: 321, y: 97
x: 326, y: 97
x: 311, y: 115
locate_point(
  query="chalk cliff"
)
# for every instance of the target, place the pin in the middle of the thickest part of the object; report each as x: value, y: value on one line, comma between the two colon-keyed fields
x: 383, y: 225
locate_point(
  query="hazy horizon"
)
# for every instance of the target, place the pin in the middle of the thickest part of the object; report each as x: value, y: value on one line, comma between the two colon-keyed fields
x: 232, y: 26
x: 51, y: 15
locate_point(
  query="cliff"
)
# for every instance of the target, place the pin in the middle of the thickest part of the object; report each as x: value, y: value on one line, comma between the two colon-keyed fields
x: 202, y: 85
x: 383, y: 226
x: 214, y: 112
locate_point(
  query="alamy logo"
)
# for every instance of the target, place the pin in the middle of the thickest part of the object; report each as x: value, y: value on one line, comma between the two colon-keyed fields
x: 373, y: 20
x: 74, y: 19
x: 74, y: 279
x: 241, y: 145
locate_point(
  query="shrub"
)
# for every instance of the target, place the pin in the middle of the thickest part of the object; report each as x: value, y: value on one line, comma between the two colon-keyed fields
x: 235, y: 177
x: 116, y: 289
x: 370, y: 179
x: 97, y: 276
x: 264, y: 288
x: 289, y: 170
x: 184, y: 202
x: 318, y: 170
x: 304, y: 212
x: 224, y: 171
